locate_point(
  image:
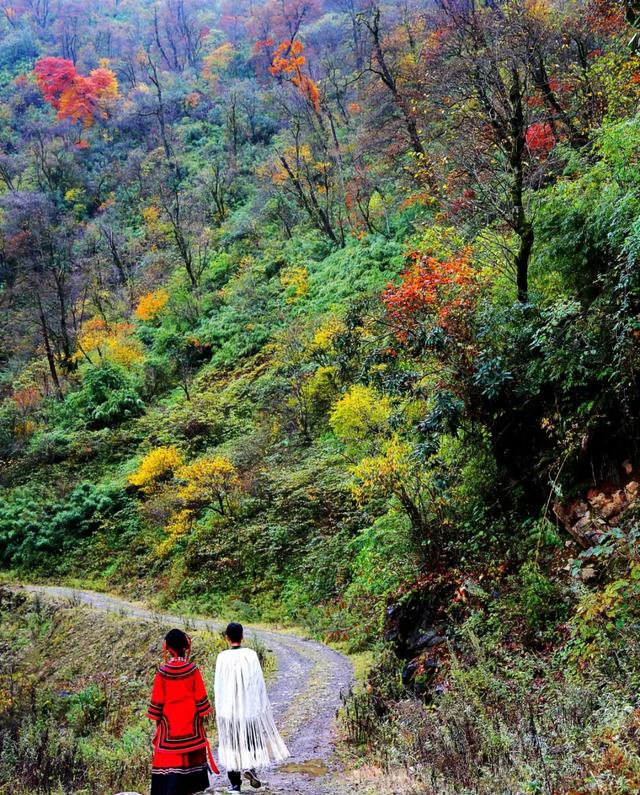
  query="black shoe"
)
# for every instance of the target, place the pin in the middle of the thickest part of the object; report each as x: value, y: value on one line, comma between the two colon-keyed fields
x: 251, y: 777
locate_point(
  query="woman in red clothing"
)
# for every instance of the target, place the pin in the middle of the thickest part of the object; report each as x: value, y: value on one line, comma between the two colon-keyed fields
x: 179, y: 702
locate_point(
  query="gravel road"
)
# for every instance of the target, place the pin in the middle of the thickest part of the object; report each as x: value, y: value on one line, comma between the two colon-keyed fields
x: 305, y: 693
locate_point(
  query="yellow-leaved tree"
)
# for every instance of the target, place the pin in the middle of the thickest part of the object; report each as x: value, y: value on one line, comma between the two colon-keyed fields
x: 389, y: 466
x: 395, y: 471
x: 157, y: 466
x: 206, y: 484
x: 326, y: 333
x: 360, y: 413
x: 214, y: 64
x: 112, y: 342
x: 178, y: 525
x: 209, y: 483
x: 150, y: 305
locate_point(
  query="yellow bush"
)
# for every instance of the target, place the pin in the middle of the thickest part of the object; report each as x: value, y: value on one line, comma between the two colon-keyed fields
x: 295, y: 281
x: 158, y: 464
x: 359, y: 413
x: 112, y: 342
x: 216, y: 62
x: 179, y: 525
x: 124, y: 351
x: 386, y: 473
x: 151, y: 304
x: 151, y: 215
x: 327, y: 332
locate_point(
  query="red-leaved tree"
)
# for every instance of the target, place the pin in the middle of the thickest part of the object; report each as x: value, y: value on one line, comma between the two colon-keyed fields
x: 432, y: 309
x: 433, y: 292
x: 76, y: 97
x: 540, y: 138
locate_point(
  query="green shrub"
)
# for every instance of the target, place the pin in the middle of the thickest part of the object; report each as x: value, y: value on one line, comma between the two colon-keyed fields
x: 87, y: 708
x: 50, y: 447
x: 383, y: 559
x: 9, y: 443
x: 32, y: 529
x: 21, y: 517
x: 541, y: 599
x: 107, y: 397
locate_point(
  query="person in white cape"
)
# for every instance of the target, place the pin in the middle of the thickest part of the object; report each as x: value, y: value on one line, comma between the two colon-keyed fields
x: 247, y: 734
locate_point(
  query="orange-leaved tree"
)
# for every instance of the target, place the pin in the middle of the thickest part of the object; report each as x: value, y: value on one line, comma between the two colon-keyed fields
x: 150, y: 305
x: 433, y: 292
x: 76, y: 97
x: 288, y: 62
x: 433, y: 310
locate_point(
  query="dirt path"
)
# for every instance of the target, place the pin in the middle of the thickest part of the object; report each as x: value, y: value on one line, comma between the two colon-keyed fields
x: 305, y: 693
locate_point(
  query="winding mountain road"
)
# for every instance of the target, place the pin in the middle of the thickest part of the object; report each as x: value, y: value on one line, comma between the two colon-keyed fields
x: 305, y: 692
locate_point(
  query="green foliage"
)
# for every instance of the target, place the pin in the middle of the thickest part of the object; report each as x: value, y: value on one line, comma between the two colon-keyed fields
x: 383, y: 560
x: 541, y: 599
x: 589, y: 217
x: 8, y: 440
x: 20, y: 519
x: 606, y: 618
x: 86, y: 708
x: 107, y: 397
x: 245, y: 321
x: 50, y: 447
x: 353, y: 272
x: 31, y: 529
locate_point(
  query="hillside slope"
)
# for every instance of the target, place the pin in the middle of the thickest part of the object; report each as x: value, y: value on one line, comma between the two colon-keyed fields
x: 329, y: 312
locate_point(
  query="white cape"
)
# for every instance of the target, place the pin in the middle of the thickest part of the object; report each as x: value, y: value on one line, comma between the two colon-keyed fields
x: 247, y: 734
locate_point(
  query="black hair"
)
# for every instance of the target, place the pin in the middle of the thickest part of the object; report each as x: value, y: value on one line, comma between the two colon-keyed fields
x: 234, y: 632
x: 177, y: 641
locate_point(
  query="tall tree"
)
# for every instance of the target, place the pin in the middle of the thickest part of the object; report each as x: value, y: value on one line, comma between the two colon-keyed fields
x: 41, y: 276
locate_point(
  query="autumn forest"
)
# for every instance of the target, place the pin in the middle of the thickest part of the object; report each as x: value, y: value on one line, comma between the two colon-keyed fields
x: 326, y: 313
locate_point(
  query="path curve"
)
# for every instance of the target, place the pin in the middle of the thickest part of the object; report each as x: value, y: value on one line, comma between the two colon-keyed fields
x: 305, y: 693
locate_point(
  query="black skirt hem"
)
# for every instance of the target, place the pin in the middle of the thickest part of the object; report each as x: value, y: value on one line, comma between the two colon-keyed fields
x: 183, y: 782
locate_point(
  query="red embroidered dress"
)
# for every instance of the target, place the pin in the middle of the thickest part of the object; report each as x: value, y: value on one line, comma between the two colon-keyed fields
x: 179, y: 703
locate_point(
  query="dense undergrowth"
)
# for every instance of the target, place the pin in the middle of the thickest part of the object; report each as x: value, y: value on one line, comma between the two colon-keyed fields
x: 504, y: 720
x: 329, y: 313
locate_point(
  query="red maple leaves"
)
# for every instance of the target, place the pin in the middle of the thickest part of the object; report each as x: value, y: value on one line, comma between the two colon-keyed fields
x: 433, y: 293
x: 540, y: 138
x: 74, y: 96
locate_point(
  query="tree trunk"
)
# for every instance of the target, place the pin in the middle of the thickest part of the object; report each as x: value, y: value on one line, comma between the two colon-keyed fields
x: 522, y: 262
x: 521, y: 226
x: 47, y: 346
x: 67, y: 356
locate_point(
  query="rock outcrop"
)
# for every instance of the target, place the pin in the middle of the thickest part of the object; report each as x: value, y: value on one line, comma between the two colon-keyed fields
x: 602, y: 508
x: 415, y: 626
